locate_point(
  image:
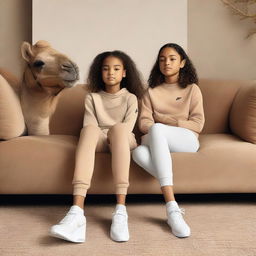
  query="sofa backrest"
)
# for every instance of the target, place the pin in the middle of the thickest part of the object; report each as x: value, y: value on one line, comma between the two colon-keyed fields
x: 68, y: 116
x: 218, y: 96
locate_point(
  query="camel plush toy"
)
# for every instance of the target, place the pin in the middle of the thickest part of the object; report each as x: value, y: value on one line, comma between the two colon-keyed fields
x: 27, y: 106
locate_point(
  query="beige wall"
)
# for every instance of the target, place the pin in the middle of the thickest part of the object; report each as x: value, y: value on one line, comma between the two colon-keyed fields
x: 216, y: 38
x: 84, y: 28
x: 216, y: 41
x: 15, y: 27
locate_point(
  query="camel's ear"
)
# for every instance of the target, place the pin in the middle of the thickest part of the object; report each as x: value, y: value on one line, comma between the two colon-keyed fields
x: 42, y: 44
x: 26, y: 51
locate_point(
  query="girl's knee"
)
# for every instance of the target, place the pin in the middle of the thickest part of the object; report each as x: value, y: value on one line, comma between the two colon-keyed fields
x: 118, y: 129
x: 139, y: 153
x: 90, y: 131
x: 197, y: 146
x: 90, y: 128
x: 156, y: 128
x: 136, y: 154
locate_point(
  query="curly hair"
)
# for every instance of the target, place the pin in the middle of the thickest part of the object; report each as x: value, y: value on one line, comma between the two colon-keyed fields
x: 132, y: 80
x: 187, y: 74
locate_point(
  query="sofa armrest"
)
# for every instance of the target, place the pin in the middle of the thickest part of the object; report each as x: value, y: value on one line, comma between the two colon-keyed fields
x: 242, y: 119
x: 12, y: 122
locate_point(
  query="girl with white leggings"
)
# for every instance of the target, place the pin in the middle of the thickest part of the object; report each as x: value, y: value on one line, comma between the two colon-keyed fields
x: 171, y: 117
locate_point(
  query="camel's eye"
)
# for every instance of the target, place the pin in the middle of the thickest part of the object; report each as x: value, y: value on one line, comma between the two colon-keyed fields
x: 38, y: 64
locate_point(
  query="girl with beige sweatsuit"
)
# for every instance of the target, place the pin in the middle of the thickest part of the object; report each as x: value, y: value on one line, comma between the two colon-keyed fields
x: 111, y: 111
x: 171, y: 117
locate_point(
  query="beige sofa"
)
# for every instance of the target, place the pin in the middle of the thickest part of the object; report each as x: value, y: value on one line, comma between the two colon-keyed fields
x: 225, y: 162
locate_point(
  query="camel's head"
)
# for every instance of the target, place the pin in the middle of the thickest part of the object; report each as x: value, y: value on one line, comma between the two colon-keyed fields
x: 48, y: 68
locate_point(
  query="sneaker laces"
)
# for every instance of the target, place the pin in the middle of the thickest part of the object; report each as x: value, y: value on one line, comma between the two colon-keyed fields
x: 119, y: 216
x: 179, y: 210
x: 68, y: 218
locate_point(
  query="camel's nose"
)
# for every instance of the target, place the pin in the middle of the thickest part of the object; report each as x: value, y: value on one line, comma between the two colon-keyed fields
x: 71, y: 71
x: 68, y: 66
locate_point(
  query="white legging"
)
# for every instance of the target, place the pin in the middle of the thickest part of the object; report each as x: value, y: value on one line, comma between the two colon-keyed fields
x: 154, y: 153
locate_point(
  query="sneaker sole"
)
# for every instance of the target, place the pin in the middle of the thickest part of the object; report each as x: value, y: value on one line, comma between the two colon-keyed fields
x: 179, y: 235
x: 76, y: 236
x: 119, y: 240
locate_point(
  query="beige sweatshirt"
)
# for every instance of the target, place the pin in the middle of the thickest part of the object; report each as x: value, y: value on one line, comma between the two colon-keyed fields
x: 106, y: 109
x: 172, y: 105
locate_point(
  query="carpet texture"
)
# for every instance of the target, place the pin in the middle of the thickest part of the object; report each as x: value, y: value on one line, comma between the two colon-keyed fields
x: 219, y: 229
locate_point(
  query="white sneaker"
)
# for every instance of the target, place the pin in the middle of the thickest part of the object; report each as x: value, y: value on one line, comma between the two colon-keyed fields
x: 71, y: 227
x: 175, y: 220
x: 119, y: 228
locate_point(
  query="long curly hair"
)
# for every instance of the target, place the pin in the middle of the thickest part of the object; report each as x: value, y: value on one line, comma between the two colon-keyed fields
x: 187, y: 74
x: 132, y: 81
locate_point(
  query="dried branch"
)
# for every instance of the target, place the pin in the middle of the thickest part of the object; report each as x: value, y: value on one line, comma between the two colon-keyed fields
x: 243, y: 15
x: 252, y: 32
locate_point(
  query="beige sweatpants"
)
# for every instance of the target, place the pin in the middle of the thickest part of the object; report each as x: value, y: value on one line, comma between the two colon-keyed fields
x: 118, y: 141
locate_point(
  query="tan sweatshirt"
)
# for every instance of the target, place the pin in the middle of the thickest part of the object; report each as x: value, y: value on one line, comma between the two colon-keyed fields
x: 106, y: 109
x: 172, y: 105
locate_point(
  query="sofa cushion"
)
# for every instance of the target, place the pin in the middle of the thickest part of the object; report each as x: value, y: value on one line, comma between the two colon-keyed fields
x: 11, y: 118
x: 243, y: 113
x: 223, y: 164
x: 45, y: 165
x: 37, y: 164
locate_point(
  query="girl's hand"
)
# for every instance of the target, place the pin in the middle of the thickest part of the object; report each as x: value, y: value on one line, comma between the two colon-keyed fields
x: 164, y: 118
